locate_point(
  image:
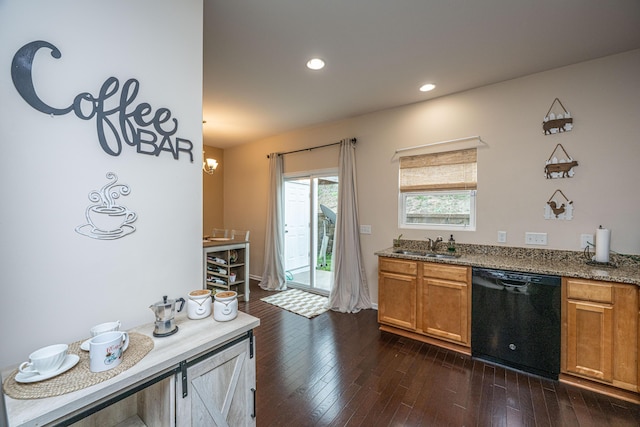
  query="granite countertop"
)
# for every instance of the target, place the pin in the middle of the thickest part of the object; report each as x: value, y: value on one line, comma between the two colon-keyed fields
x: 622, y: 268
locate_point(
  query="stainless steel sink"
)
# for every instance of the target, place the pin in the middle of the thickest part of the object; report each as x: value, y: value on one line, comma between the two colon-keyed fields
x: 424, y: 254
x: 443, y: 256
x: 408, y: 252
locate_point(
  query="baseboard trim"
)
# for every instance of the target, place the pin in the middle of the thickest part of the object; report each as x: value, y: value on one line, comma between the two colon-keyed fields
x: 597, y: 387
x: 428, y: 340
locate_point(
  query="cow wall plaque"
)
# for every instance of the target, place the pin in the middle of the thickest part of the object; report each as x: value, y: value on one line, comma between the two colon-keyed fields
x: 559, y: 167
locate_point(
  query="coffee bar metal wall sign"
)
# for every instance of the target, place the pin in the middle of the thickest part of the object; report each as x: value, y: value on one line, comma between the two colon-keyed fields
x: 106, y: 218
x: 119, y: 119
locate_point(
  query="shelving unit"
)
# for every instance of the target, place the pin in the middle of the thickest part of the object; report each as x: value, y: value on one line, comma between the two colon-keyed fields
x: 221, y: 260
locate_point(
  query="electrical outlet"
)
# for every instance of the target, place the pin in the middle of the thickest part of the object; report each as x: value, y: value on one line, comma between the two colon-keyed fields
x: 502, y: 237
x: 365, y: 229
x: 535, y: 238
x: 586, y: 240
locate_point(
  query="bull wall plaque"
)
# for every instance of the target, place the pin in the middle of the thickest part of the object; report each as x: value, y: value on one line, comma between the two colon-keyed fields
x: 556, y: 120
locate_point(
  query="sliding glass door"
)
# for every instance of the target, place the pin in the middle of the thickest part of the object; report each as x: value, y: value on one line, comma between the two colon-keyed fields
x: 310, y: 205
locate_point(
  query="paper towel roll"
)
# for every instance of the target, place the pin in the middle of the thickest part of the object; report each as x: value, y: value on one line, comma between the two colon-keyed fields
x: 603, y: 240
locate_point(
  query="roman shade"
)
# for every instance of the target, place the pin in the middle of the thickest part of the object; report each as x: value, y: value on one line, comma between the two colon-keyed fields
x: 450, y: 170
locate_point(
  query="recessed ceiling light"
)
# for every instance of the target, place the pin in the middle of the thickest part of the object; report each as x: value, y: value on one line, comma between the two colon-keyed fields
x: 315, y: 64
x: 427, y: 87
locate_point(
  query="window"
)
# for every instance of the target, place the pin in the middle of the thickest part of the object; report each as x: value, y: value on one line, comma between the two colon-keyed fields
x: 438, y: 191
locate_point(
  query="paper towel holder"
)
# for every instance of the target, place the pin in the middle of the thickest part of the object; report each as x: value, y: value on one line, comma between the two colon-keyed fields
x: 591, y: 260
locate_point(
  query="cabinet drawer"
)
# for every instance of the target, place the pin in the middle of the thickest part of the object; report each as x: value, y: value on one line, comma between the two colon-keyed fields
x: 589, y: 291
x: 398, y: 266
x: 447, y: 272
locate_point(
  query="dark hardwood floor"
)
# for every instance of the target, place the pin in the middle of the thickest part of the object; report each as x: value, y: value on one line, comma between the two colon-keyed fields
x: 340, y: 370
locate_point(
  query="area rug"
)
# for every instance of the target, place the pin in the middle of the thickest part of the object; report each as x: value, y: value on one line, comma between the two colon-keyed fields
x: 299, y: 302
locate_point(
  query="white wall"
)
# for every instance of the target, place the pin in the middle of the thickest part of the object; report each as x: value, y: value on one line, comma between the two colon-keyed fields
x: 604, y: 99
x: 57, y: 283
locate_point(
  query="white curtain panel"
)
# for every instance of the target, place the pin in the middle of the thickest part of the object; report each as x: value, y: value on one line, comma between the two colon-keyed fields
x: 273, y: 277
x: 350, y: 292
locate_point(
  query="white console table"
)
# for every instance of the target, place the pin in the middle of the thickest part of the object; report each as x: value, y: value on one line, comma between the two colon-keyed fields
x: 159, y: 389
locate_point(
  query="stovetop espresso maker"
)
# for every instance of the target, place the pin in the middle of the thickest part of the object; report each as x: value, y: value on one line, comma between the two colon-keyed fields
x: 165, y: 312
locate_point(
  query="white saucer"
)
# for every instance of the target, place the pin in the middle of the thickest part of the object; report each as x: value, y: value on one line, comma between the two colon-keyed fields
x: 85, y: 345
x: 69, y: 362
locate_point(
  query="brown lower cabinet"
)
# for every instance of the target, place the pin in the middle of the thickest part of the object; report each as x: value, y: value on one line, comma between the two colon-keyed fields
x: 600, y: 332
x: 600, y: 349
x: 426, y: 301
x: 446, y: 302
x: 398, y: 293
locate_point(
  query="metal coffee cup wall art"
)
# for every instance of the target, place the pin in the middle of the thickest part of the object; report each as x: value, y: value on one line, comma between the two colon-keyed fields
x: 106, y: 218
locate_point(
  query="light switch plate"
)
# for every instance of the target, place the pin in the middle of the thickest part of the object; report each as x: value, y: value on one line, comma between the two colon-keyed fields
x: 535, y: 238
x: 365, y: 229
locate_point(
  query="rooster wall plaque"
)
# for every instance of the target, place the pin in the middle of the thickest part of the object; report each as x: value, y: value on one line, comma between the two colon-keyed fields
x: 558, y: 209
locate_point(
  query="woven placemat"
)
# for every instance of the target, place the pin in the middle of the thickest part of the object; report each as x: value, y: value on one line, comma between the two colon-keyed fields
x: 80, y: 376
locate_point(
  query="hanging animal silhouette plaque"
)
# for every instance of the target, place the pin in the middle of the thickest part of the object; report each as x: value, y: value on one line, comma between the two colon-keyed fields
x: 559, y: 167
x: 557, y: 208
x: 557, y: 120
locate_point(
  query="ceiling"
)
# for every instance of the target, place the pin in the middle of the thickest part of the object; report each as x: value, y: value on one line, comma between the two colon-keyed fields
x: 378, y: 53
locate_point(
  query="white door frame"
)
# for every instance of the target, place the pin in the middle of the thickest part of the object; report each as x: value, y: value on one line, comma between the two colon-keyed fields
x: 313, y: 226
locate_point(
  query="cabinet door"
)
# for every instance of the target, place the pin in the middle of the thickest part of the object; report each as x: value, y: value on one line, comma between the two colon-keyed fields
x: 590, y: 339
x: 220, y: 390
x: 397, y: 297
x: 445, y: 306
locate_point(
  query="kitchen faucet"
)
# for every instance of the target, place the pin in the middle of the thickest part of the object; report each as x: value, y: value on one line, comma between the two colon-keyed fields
x: 432, y: 244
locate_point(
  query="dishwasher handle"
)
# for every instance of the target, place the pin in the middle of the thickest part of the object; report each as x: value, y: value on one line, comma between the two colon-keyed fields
x: 512, y: 284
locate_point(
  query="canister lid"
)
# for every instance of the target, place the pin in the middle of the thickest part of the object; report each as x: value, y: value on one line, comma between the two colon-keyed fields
x: 200, y: 293
x: 225, y: 295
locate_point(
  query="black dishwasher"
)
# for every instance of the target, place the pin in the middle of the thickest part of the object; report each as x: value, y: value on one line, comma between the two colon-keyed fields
x: 515, y: 320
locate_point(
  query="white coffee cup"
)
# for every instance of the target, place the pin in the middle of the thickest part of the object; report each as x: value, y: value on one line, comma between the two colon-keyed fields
x: 45, y: 360
x: 105, y: 327
x: 232, y: 277
x: 106, y: 350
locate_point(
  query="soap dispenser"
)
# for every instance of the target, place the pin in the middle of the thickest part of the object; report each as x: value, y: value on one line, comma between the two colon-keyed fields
x: 451, y: 247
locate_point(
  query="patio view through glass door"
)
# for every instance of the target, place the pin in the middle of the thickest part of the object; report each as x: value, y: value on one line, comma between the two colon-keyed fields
x: 310, y: 205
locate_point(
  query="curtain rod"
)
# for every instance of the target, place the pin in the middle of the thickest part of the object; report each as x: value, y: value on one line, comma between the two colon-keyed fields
x: 353, y: 140
x: 441, y: 142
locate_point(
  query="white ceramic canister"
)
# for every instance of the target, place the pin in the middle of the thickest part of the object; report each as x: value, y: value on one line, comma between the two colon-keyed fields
x: 225, y: 306
x: 199, y: 304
